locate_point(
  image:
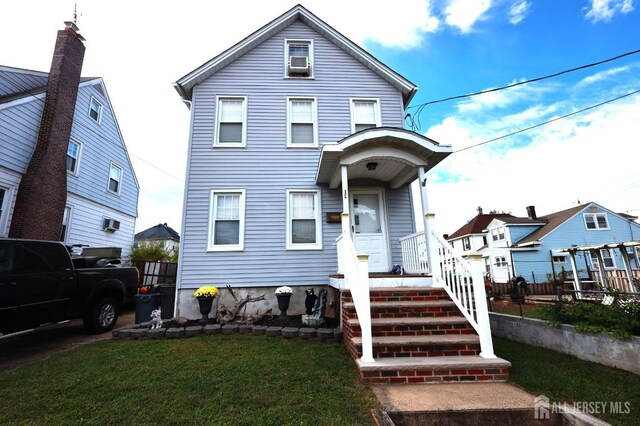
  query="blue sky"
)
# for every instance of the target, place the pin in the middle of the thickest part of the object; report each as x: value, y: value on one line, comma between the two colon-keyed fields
x: 446, y: 47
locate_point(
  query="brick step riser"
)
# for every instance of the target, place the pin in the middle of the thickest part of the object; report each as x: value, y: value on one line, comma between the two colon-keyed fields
x: 436, y: 376
x: 412, y: 351
x: 426, y: 330
x: 407, y: 313
x: 408, y: 297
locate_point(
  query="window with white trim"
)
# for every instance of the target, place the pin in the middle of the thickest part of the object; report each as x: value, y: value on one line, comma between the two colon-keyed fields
x: 304, y: 230
x: 4, y: 208
x: 231, y: 129
x: 73, y: 157
x: 115, y: 178
x: 365, y: 114
x: 95, y: 110
x: 466, y: 243
x: 559, y: 258
x: 501, y: 261
x: 302, y: 126
x: 596, y: 221
x: 607, y: 259
x: 226, y: 225
x: 64, y: 235
x: 298, y: 58
x: 497, y: 234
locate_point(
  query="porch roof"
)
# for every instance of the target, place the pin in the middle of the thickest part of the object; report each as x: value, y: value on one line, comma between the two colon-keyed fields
x: 601, y: 246
x: 396, y: 153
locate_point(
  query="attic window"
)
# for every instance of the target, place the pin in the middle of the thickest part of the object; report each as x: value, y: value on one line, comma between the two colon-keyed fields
x: 298, y: 58
x: 595, y: 221
x: 95, y: 110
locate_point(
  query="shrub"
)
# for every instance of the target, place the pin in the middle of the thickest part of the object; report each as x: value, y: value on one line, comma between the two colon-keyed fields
x: 150, y: 252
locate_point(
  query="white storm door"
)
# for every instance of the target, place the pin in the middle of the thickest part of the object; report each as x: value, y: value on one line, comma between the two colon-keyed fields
x: 368, y: 227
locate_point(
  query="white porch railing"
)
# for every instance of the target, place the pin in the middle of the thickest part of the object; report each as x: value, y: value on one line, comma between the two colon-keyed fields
x: 414, y: 254
x: 464, y: 282
x: 355, y: 268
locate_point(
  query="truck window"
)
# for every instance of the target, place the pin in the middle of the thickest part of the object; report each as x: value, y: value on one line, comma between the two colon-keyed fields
x: 6, y: 259
x: 44, y: 258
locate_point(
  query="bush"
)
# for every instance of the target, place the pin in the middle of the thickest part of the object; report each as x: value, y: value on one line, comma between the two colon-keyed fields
x: 622, y: 320
x: 151, y: 252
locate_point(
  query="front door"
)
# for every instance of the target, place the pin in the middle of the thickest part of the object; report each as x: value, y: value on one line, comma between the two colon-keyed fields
x: 368, y: 227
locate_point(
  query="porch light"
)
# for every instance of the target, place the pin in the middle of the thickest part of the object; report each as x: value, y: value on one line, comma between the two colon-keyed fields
x: 372, y: 166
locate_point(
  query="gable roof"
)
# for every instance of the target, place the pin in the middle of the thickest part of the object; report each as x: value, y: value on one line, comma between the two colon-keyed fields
x: 159, y: 232
x: 478, y: 224
x: 185, y: 85
x: 553, y: 220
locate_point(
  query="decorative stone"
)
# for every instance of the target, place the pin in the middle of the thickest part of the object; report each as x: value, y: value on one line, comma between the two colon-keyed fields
x: 245, y: 329
x: 156, y: 333
x: 125, y: 333
x: 138, y: 333
x: 193, y: 330
x: 307, y: 333
x: 290, y: 332
x: 181, y: 321
x: 230, y: 329
x: 337, y: 334
x: 211, y: 329
x: 325, y: 333
x: 175, y: 332
x: 274, y: 331
x: 116, y: 334
x: 259, y: 329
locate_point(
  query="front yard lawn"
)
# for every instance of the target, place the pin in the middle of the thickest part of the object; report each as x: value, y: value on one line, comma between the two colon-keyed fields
x: 230, y: 380
x: 563, y: 378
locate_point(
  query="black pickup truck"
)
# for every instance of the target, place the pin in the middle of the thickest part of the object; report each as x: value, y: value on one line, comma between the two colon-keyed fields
x: 40, y: 283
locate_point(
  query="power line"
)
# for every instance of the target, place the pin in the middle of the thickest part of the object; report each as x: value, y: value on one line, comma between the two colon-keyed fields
x: 526, y: 81
x: 549, y: 121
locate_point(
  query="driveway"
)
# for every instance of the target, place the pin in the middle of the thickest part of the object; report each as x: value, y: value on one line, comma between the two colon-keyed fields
x: 24, y: 348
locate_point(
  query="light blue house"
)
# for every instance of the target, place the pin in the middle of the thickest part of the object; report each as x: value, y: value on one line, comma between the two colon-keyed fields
x: 102, y: 190
x: 532, y: 246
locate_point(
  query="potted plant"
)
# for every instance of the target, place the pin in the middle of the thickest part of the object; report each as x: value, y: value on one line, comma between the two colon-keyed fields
x: 205, y: 296
x: 284, y: 297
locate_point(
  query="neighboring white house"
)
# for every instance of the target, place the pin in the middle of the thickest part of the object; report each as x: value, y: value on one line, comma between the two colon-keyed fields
x: 160, y: 232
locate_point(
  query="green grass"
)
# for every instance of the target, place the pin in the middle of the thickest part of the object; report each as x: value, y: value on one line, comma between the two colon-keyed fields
x: 230, y: 380
x: 563, y: 378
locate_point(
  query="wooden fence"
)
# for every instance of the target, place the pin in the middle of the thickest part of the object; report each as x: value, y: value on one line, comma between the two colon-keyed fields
x: 532, y: 288
x: 617, y: 279
x: 157, y: 272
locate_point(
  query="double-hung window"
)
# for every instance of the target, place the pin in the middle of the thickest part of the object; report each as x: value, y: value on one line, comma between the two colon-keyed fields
x: 303, y: 220
x: 365, y: 114
x: 231, y: 127
x: 302, y: 129
x: 73, y: 157
x: 497, y: 234
x: 115, y: 178
x: 466, y: 244
x: 226, y: 213
x: 4, y: 209
x: 501, y: 261
x: 64, y: 235
x: 298, y: 58
x: 95, y: 110
x: 595, y: 221
x: 607, y: 259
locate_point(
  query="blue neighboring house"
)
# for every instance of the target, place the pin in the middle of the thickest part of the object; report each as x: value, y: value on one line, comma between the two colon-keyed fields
x: 529, y: 246
x: 101, y: 188
x: 290, y: 128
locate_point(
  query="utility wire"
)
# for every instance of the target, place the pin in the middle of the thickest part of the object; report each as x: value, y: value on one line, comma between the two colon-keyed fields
x: 548, y: 121
x: 526, y: 81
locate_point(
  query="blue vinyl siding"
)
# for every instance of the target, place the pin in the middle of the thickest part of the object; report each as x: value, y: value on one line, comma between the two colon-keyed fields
x: 266, y: 168
x: 574, y: 232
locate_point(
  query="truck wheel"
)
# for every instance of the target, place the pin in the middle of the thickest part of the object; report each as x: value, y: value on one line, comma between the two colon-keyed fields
x: 102, y: 315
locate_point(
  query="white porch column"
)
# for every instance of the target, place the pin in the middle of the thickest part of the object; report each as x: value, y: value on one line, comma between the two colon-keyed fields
x: 603, y: 277
x: 576, y: 276
x: 433, y: 258
x: 627, y: 267
x: 482, y: 313
x: 345, y: 200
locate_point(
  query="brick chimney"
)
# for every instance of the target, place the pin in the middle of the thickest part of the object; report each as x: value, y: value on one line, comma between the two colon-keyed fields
x: 42, y: 194
x: 531, y: 212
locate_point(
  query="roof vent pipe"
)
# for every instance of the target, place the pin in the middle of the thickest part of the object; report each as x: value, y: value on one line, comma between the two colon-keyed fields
x: 531, y: 212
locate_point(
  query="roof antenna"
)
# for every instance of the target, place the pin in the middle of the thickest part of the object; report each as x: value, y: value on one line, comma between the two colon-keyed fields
x: 75, y: 13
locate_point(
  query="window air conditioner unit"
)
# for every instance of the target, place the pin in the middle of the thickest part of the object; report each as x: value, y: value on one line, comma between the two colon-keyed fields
x: 299, y: 65
x: 110, y: 225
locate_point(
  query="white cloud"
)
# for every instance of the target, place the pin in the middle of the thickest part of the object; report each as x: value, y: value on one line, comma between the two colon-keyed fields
x: 463, y: 14
x: 603, y: 75
x: 518, y: 12
x: 604, y: 10
x: 585, y: 157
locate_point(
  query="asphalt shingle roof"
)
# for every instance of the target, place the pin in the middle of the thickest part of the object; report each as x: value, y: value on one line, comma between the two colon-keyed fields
x: 159, y: 232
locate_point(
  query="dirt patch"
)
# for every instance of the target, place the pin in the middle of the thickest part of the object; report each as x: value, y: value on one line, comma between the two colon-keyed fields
x: 506, y: 306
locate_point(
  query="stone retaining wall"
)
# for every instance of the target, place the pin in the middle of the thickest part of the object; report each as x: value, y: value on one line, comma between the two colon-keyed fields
x: 596, y: 347
x: 144, y: 331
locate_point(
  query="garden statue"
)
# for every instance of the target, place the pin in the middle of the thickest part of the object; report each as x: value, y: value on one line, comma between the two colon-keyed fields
x: 310, y: 301
x: 156, y: 320
x: 317, y: 313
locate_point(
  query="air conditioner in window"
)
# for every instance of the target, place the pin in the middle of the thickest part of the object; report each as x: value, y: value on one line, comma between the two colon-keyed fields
x: 110, y: 225
x: 299, y: 65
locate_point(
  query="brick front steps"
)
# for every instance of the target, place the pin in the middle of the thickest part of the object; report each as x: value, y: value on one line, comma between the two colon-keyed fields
x: 419, y: 336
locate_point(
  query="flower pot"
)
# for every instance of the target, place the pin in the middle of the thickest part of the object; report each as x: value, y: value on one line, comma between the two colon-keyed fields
x: 205, y: 307
x: 283, y: 305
